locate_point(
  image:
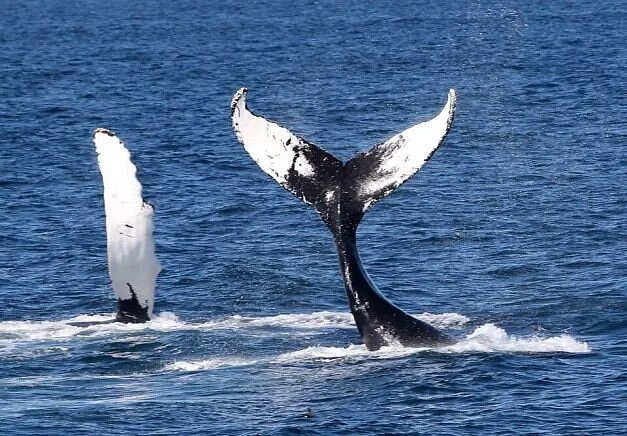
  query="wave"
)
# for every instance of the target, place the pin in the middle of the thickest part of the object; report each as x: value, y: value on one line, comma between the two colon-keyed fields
x: 485, y: 339
x: 101, y: 325
x: 325, y: 319
x: 490, y: 338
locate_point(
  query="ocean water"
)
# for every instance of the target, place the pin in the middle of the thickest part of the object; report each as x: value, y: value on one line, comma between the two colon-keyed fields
x: 512, y: 238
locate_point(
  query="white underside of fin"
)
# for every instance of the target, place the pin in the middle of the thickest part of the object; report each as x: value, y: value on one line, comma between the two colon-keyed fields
x: 270, y: 145
x: 133, y: 265
x: 404, y: 154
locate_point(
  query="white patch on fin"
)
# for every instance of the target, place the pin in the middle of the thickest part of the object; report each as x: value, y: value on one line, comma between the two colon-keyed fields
x: 270, y: 145
x: 303, y: 167
x: 390, y: 163
x: 130, y: 247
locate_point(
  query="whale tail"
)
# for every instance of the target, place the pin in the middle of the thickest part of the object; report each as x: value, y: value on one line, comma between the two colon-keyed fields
x: 341, y: 193
x: 133, y: 265
x: 321, y: 180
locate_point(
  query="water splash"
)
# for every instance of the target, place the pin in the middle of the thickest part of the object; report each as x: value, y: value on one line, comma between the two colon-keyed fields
x: 100, y: 325
x: 490, y: 338
x: 487, y: 338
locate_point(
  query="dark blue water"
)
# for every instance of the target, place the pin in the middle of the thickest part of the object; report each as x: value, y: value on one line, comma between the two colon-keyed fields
x: 512, y: 238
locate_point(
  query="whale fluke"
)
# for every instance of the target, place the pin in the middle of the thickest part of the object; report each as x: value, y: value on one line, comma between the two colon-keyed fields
x: 378, y: 172
x: 342, y: 193
x: 304, y: 169
x: 133, y: 265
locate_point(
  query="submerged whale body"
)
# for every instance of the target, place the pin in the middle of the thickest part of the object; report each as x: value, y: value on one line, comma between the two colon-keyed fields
x: 341, y: 193
x: 133, y: 265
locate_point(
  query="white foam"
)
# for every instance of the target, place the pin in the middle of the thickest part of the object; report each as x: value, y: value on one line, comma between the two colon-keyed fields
x: 323, y: 354
x: 315, y: 320
x: 79, y: 326
x: 485, y: 339
x: 97, y: 317
x: 352, y: 352
x: 12, y: 332
x: 489, y: 338
x: 323, y: 319
x: 207, y: 364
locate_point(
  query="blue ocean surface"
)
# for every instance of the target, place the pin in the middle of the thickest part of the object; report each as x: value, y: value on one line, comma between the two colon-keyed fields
x: 512, y: 239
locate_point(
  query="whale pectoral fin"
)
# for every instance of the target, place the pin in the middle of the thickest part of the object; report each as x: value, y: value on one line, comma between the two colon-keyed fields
x: 133, y: 265
x: 373, y: 175
x: 304, y: 169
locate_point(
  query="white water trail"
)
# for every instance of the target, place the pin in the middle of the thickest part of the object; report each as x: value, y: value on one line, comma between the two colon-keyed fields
x: 487, y: 338
x: 92, y: 325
